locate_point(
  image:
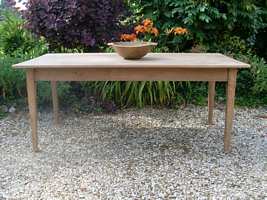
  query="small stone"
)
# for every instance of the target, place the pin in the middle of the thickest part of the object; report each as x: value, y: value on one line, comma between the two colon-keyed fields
x: 134, y: 154
x: 12, y: 109
x: 2, y: 196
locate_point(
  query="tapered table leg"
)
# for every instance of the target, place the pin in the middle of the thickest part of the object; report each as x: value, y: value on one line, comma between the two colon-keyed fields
x: 55, y: 102
x: 229, y: 113
x: 31, y: 90
x: 211, y: 101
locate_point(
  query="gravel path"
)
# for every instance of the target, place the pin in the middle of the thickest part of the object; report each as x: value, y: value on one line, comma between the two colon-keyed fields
x: 135, y: 154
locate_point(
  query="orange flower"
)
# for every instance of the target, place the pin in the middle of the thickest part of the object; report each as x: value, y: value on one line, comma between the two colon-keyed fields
x: 139, y: 29
x: 148, y: 29
x: 169, y: 31
x: 128, y: 37
x: 155, y: 31
x: 148, y: 23
x: 180, y: 31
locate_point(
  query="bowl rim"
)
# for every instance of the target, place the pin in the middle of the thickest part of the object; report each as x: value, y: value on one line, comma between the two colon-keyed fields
x: 134, y: 44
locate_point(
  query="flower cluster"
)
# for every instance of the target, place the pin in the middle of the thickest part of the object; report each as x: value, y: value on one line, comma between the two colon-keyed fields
x: 147, y: 27
x: 177, y: 31
x: 128, y: 37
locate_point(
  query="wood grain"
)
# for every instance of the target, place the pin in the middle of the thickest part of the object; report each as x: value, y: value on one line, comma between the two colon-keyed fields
x: 229, y: 113
x: 211, y: 101
x: 131, y: 74
x: 55, y: 103
x: 31, y: 90
x: 152, y: 60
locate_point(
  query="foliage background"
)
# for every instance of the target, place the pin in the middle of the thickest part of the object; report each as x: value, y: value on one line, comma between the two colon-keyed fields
x: 76, y: 23
x: 236, y: 28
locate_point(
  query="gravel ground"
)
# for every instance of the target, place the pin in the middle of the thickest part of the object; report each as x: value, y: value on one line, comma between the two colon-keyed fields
x: 135, y: 154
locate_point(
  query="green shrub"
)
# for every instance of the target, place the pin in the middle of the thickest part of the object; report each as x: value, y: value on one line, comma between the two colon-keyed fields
x: 12, y: 81
x: 256, y: 75
x: 15, y: 40
x: 63, y: 90
x: 208, y: 20
x: 252, y: 82
x: 132, y: 93
x: 16, y: 45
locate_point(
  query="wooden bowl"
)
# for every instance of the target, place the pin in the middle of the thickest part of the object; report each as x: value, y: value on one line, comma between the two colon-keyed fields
x: 132, y: 50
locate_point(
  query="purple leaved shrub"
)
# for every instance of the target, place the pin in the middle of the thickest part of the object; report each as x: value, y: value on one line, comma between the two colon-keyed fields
x: 8, y: 3
x: 76, y: 23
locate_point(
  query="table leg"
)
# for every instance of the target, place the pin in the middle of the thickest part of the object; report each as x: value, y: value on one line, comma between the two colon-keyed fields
x: 55, y: 102
x: 229, y: 113
x: 211, y: 101
x: 31, y: 90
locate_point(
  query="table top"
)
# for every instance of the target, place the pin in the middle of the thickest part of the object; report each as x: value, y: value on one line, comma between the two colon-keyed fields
x: 152, y: 60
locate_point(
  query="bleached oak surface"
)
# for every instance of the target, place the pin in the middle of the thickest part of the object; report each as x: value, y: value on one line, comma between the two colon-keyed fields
x: 112, y: 60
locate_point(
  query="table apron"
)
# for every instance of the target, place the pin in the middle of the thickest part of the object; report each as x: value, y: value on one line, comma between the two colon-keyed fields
x: 131, y: 74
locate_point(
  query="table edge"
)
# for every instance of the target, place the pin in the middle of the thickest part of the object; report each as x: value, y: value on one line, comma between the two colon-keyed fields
x: 241, y: 66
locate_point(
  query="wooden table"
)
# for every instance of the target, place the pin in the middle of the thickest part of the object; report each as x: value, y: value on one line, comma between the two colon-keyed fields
x: 209, y: 67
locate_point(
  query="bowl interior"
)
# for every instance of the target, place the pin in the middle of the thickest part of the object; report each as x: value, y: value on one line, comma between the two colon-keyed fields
x: 133, y: 44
